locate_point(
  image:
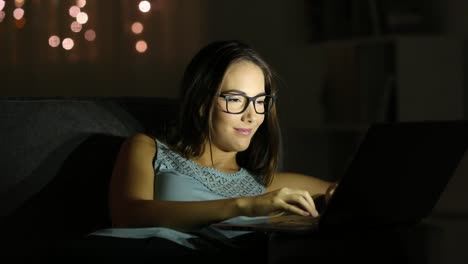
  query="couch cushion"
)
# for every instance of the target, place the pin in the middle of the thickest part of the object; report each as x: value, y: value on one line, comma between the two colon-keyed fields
x: 57, y: 156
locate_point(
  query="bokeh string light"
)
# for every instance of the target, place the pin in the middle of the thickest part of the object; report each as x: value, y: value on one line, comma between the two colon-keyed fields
x: 141, y: 46
x: 137, y: 28
x: 79, y: 21
x: 144, y: 6
x: 18, y: 13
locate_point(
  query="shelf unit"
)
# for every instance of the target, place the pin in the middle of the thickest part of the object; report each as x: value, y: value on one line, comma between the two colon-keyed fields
x: 368, y: 80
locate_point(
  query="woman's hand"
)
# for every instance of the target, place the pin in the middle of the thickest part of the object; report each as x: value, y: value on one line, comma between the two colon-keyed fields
x: 283, y: 200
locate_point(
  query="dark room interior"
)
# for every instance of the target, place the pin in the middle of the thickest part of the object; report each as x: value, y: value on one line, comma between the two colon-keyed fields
x: 343, y: 64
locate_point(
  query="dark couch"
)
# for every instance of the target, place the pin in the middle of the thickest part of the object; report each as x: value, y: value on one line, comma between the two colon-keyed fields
x: 56, y: 158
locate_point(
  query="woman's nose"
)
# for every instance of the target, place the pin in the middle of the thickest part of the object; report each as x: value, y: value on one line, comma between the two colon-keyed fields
x: 249, y: 115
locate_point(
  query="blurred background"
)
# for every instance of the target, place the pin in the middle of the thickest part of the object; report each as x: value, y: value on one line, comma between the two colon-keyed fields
x: 343, y: 63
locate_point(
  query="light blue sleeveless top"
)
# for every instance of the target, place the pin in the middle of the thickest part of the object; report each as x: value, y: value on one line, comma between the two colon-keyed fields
x: 180, y: 179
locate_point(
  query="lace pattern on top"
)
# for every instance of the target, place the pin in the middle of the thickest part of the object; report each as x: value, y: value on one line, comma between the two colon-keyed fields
x: 240, y: 183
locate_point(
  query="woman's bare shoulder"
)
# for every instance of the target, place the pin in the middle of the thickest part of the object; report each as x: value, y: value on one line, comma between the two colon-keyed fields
x: 140, y: 141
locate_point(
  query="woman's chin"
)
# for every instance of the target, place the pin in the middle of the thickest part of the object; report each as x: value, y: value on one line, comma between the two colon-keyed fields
x: 243, y: 148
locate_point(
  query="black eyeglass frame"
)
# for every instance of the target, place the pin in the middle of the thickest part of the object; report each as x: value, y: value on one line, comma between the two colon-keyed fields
x: 249, y: 99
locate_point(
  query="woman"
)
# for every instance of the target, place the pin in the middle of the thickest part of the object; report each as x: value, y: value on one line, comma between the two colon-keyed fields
x: 220, y: 165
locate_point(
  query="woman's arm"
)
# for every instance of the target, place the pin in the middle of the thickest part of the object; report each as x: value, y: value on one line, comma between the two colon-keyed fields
x: 132, y: 192
x: 313, y: 185
x: 132, y: 203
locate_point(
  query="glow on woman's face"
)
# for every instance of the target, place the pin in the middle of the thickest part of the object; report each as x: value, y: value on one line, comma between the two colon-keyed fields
x: 233, y: 132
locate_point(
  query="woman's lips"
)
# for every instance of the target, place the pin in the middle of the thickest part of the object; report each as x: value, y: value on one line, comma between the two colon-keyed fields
x: 243, y: 131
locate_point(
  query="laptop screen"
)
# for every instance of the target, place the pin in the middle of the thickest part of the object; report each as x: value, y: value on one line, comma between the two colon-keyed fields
x: 397, y: 174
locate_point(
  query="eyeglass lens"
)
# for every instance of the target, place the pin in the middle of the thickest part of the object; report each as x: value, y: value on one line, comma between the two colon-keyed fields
x: 238, y: 103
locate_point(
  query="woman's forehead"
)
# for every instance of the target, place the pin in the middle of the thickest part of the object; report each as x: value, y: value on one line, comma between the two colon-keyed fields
x: 244, y: 77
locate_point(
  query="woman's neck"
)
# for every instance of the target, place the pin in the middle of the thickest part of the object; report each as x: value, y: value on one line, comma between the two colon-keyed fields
x: 214, y: 158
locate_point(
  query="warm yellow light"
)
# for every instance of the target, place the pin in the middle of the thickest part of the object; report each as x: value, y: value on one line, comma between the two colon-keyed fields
x: 20, y: 22
x: 19, y: 3
x: 144, y: 6
x: 68, y: 43
x: 137, y: 27
x: 73, y: 11
x: 141, y: 46
x: 54, y: 41
x: 90, y: 35
x: 18, y: 13
x: 81, y: 3
x: 82, y: 18
x: 75, y: 26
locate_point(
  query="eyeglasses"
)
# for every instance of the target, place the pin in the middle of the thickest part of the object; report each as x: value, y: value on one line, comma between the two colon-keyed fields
x: 237, y: 103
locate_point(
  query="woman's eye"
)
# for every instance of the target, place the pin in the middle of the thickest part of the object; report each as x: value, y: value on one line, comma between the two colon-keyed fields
x: 234, y: 100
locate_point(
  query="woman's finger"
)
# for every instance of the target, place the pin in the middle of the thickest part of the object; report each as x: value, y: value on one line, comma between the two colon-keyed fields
x: 312, y: 208
x: 293, y: 209
x: 305, y: 200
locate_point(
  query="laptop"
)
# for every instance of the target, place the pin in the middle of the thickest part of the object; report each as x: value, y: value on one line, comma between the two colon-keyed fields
x: 394, y: 179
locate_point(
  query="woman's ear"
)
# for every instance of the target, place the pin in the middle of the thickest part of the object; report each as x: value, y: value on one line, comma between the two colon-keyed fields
x: 204, y: 109
x: 201, y: 112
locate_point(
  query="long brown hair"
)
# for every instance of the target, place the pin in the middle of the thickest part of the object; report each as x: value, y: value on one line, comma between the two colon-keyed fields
x: 199, y: 89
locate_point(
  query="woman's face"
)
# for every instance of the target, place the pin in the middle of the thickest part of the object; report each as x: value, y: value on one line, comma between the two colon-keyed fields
x: 233, y: 132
